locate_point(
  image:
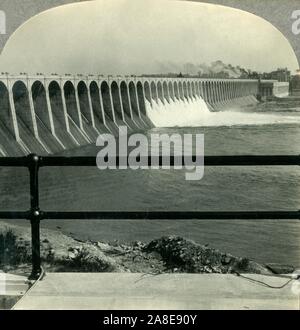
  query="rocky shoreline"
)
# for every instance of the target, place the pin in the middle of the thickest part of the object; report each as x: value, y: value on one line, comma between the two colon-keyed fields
x: 169, y: 254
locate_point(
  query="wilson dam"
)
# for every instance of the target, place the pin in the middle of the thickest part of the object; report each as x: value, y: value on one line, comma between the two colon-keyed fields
x: 48, y: 114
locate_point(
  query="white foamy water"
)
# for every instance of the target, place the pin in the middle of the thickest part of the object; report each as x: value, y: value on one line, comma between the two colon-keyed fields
x: 195, y: 112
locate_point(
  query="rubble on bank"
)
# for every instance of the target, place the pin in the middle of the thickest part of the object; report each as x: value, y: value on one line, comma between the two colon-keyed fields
x: 61, y: 253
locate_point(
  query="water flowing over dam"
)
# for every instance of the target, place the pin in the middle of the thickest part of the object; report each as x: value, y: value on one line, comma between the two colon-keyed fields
x: 47, y: 115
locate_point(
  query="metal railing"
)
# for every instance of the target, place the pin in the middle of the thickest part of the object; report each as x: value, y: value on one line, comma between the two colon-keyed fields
x: 35, y: 214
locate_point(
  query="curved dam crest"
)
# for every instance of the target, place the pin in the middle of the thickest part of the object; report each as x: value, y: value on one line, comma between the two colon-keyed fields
x: 46, y: 115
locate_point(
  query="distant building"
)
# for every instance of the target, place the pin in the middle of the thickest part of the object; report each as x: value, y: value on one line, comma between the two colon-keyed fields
x: 281, y: 74
x: 295, y: 84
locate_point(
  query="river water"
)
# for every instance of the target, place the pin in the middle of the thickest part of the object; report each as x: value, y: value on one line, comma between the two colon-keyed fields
x: 271, y: 128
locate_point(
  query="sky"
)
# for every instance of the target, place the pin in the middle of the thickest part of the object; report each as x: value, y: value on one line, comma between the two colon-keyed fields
x: 143, y: 36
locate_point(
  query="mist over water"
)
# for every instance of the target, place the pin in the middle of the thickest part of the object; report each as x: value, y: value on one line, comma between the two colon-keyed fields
x: 195, y: 113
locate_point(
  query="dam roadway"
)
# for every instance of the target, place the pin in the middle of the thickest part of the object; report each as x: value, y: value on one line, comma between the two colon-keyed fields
x: 48, y: 114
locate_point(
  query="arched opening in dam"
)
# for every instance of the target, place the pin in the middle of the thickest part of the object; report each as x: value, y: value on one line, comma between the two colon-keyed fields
x: 180, y: 89
x: 243, y: 88
x: 224, y: 91
x: 185, y: 91
x: 176, y: 91
x: 214, y: 92
x: 166, y: 92
x: 196, y: 90
x: 142, y: 105
x: 160, y: 92
x: 106, y: 99
x: 125, y: 99
x: 154, y: 91
x: 171, y: 91
x: 57, y: 106
x: 133, y: 100
x: 24, y: 117
x: 234, y: 90
x: 117, y: 103
x: 147, y: 92
x: 226, y: 87
x: 96, y: 105
x: 40, y: 104
x: 58, y: 115
x: 218, y: 91
x: 22, y: 106
x: 71, y: 105
x: 223, y: 84
x: 73, y: 113
x: 231, y: 90
x: 193, y: 90
x: 227, y: 91
x: 209, y: 92
x: 5, y: 111
x: 8, y: 143
x: 189, y: 94
x: 203, y: 90
x: 221, y: 91
x: 43, y: 119
x: 141, y: 98
x: 86, y: 111
x: 200, y: 88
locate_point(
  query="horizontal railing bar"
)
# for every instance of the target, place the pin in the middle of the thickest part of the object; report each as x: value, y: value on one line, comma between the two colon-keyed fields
x: 236, y: 160
x: 17, y: 215
x: 154, y: 215
x: 232, y: 160
x: 251, y: 160
x: 159, y: 215
x: 14, y: 161
x: 169, y: 215
x: 68, y: 161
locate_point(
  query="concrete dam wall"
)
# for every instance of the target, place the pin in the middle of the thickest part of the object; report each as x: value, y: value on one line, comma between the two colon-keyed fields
x: 47, y: 115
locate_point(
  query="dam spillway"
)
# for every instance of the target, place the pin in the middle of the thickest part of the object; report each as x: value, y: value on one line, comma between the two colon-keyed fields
x: 46, y: 115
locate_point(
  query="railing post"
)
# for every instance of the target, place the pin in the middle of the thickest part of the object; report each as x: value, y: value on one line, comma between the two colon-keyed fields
x: 34, y: 216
